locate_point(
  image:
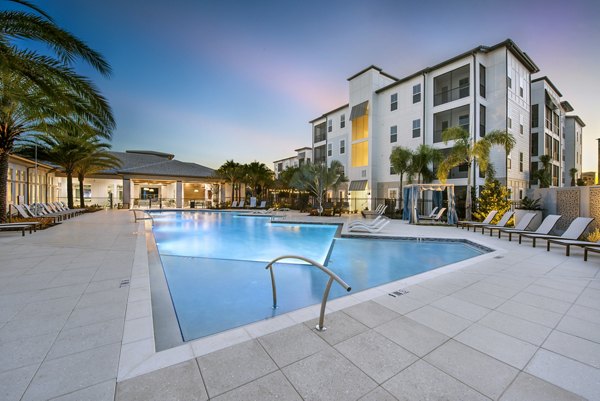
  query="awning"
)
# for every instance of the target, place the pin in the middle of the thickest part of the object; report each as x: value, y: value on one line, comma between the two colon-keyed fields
x: 359, y: 110
x: 358, y: 185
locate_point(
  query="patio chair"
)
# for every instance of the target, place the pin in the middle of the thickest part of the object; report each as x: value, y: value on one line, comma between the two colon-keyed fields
x: 51, y: 210
x: 573, y: 232
x: 487, y: 220
x: 234, y: 204
x: 430, y: 215
x: 587, y: 249
x: 252, y: 202
x: 21, y: 211
x: 568, y: 243
x: 372, y: 230
x: 263, y: 205
x: 55, y: 218
x: 544, y: 228
x: 436, y: 218
x: 380, y: 210
x: 502, y: 223
x: 372, y: 223
x: 263, y: 212
x: 241, y: 205
x: 522, y: 225
x: 31, y: 226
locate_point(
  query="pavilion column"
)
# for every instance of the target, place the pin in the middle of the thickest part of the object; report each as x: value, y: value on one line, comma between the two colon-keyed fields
x: 179, y: 194
x: 126, y: 193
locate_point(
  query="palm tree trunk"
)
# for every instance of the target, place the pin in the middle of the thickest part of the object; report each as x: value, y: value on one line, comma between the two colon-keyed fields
x: 81, y: 201
x: 3, y: 186
x: 70, y: 190
x: 399, y: 206
x: 468, y: 199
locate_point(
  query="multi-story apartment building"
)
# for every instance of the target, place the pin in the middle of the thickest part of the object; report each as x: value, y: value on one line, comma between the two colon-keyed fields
x: 573, y: 147
x: 302, y: 156
x: 483, y: 89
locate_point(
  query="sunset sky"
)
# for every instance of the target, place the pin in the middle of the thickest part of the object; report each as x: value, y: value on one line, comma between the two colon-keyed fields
x: 216, y: 80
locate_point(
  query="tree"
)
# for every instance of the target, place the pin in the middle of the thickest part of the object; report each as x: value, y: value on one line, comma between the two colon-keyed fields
x: 257, y: 175
x: 544, y: 175
x: 37, y: 89
x: 504, y: 139
x: 493, y: 196
x: 573, y: 173
x: 401, y: 159
x: 98, y: 160
x: 316, y: 179
x: 230, y: 172
x: 464, y: 151
x: 337, y: 166
x: 422, y: 158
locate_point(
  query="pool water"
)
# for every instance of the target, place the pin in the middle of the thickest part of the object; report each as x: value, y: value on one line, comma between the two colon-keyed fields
x: 216, y: 286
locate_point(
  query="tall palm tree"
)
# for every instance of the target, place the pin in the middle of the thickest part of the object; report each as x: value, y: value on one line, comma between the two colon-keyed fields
x: 258, y: 174
x: 573, y: 173
x: 422, y: 158
x: 544, y: 175
x: 37, y: 89
x: 98, y: 160
x: 464, y: 151
x: 401, y: 161
x: 506, y: 140
x: 229, y: 171
x: 337, y: 166
x: 316, y: 179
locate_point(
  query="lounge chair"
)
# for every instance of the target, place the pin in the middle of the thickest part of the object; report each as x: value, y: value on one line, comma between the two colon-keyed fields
x: 487, y: 220
x: 521, y: 226
x: 31, y: 226
x: 234, y: 204
x: 54, y: 217
x: 261, y: 212
x: 544, y: 228
x: 437, y: 217
x: 52, y: 210
x: 252, y: 202
x: 568, y: 243
x: 380, y: 210
x: 63, y: 207
x: 502, y: 223
x: 587, y: 249
x: 372, y: 223
x: 241, y: 205
x: 372, y: 230
x: 574, y: 231
x: 263, y: 205
x: 430, y: 215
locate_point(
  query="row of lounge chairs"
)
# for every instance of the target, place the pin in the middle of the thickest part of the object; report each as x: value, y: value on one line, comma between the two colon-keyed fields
x: 568, y: 239
x: 241, y: 205
x: 372, y: 227
x: 57, y: 211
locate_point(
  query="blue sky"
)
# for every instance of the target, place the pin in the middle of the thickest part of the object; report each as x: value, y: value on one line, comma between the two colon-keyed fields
x: 217, y: 80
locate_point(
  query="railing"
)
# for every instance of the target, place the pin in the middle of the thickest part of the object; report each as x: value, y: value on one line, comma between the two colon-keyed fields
x: 332, y: 276
x: 451, y: 95
x: 144, y: 212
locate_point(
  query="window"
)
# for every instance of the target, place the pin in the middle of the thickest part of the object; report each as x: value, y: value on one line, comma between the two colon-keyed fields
x: 319, y: 133
x: 329, y: 149
x: 534, y: 143
x: 416, y: 93
x: 342, y: 147
x: 392, y: 171
x: 394, y: 102
x: 360, y: 154
x: 360, y: 127
x: 482, y: 120
x: 521, y: 129
x: 463, y: 122
x: 521, y: 89
x: 509, y: 122
x: 342, y: 121
x: 520, y: 162
x: 393, y: 133
x: 451, y: 86
x: 416, y: 128
x: 320, y: 155
x: 520, y: 194
x: 279, y: 167
x: 509, y: 162
x: 329, y: 125
x: 509, y: 82
x: 458, y: 116
x: 535, y: 118
x: 481, y: 80
x: 463, y: 88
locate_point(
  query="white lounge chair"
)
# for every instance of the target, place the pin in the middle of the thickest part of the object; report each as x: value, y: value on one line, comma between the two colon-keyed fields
x: 380, y: 210
x: 522, y: 225
x: 234, y: 204
x: 487, y: 220
x: 573, y: 232
x: 252, y: 202
x: 430, y: 215
x: 437, y: 217
x: 502, y: 223
x: 372, y: 230
x: 372, y: 224
x: 263, y: 204
x: 544, y: 228
x: 241, y: 205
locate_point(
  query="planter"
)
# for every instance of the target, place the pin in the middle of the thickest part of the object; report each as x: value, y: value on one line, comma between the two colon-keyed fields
x: 535, y: 223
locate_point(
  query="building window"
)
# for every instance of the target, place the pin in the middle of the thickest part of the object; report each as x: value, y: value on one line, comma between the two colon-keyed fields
x: 279, y: 167
x: 320, y: 133
x: 329, y: 149
x: 521, y: 129
x: 342, y: 121
x: 392, y: 171
x: 329, y: 125
x: 450, y: 118
x: 416, y: 128
x: 451, y: 86
x: 481, y: 80
x: 509, y: 162
x: 463, y: 122
x: 342, y: 147
x: 509, y: 122
x: 463, y: 87
x: 534, y: 143
x: 393, y: 133
x: 520, y: 162
x: 416, y: 93
x: 320, y: 155
x: 535, y: 118
x: 360, y: 128
x: 509, y: 82
x: 482, y: 120
x: 360, y: 154
x: 394, y: 102
x: 521, y: 92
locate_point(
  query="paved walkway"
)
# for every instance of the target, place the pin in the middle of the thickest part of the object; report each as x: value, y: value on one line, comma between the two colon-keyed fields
x: 521, y: 324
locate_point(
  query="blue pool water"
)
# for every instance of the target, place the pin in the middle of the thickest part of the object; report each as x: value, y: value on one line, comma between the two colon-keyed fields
x: 214, y: 264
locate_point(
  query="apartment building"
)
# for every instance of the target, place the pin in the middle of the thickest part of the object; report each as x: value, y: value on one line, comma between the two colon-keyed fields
x: 484, y: 89
x: 303, y: 155
x: 573, y: 148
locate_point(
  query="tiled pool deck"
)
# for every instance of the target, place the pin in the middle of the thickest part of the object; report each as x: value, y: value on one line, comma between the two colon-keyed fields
x: 518, y: 324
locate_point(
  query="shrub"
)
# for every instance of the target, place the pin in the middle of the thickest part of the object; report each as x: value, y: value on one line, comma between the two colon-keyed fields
x: 493, y: 196
x: 594, y: 236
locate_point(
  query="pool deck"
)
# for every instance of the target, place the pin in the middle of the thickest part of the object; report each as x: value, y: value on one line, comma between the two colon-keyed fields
x: 520, y: 323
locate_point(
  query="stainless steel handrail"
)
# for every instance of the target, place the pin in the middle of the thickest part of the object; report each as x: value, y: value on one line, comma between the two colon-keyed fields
x: 136, y: 218
x: 332, y: 276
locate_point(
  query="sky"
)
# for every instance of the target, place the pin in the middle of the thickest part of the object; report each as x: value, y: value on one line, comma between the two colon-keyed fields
x: 211, y: 81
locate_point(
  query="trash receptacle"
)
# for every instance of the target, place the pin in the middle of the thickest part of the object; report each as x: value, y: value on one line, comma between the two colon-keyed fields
x: 192, y: 204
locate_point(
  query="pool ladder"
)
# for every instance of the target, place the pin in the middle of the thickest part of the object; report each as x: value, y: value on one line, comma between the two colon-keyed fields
x: 332, y: 277
x: 144, y: 213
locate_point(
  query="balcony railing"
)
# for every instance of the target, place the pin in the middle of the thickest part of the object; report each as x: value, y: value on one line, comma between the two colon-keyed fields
x: 451, y: 95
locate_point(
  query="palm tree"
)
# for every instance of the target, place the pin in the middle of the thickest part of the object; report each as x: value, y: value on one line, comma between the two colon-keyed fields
x: 38, y: 89
x: 504, y: 139
x: 337, y: 166
x: 573, y: 173
x: 99, y: 160
x: 544, y: 175
x: 401, y: 161
x: 422, y: 158
x: 257, y: 175
x: 229, y: 171
x: 316, y: 179
x: 464, y: 151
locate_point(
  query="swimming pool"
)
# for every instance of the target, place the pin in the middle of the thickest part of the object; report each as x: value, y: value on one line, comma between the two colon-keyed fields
x: 214, y: 265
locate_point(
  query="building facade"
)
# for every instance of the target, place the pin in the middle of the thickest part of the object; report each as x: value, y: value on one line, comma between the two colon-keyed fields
x: 573, y: 148
x: 484, y: 89
x: 29, y: 181
x: 303, y: 155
